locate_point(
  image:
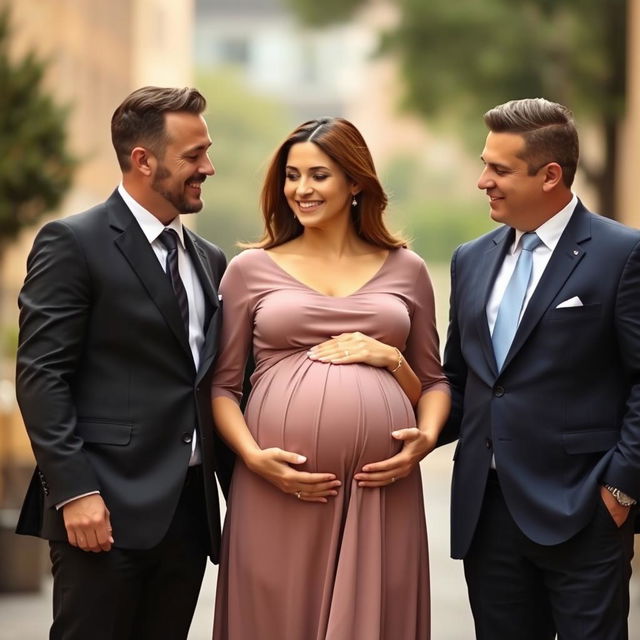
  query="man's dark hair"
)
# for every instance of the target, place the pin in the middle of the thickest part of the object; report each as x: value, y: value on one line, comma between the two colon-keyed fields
x: 548, y: 130
x: 140, y: 119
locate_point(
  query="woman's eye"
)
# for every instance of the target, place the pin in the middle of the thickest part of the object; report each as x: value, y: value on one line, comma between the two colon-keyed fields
x: 320, y: 176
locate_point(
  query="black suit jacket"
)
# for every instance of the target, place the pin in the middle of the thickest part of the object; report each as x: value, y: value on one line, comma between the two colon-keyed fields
x: 563, y: 414
x: 106, y: 381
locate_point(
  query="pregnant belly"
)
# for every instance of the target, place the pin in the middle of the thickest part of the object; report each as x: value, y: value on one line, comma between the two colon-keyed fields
x: 338, y: 416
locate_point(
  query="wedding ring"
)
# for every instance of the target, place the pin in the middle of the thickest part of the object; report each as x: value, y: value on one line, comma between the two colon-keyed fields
x: 298, y: 494
x: 393, y: 479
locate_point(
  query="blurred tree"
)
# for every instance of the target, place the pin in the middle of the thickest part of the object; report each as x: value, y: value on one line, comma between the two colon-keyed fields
x: 245, y: 129
x: 461, y: 58
x: 35, y: 166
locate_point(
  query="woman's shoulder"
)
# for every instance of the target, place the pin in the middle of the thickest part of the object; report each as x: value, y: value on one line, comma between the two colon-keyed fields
x: 246, y: 258
x: 407, y: 257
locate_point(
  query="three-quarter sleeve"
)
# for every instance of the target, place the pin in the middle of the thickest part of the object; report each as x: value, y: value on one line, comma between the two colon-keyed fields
x: 422, y: 349
x: 236, y: 334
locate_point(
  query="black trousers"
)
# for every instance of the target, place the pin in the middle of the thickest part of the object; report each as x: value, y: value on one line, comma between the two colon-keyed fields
x: 134, y: 594
x: 578, y: 589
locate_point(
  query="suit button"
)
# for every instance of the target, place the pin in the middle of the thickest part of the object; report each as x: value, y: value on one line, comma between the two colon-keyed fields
x: 187, y: 438
x: 488, y: 443
x: 498, y: 392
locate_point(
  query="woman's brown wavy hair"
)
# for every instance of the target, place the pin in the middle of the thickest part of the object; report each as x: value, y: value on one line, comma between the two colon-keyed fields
x: 344, y: 144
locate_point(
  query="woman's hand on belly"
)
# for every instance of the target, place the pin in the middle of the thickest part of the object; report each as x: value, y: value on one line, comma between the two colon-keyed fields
x: 416, y: 445
x: 273, y: 465
x: 356, y: 347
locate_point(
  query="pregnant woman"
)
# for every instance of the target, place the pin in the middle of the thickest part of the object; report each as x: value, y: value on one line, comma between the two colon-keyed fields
x: 325, y: 535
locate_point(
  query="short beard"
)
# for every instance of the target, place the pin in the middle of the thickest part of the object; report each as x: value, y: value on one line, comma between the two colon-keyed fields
x: 162, y: 173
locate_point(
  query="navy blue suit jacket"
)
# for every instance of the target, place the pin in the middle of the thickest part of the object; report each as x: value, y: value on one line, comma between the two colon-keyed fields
x: 563, y: 414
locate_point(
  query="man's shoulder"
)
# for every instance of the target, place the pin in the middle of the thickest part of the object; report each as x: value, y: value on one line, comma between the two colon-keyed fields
x: 89, y: 218
x: 613, y: 230
x: 484, y: 242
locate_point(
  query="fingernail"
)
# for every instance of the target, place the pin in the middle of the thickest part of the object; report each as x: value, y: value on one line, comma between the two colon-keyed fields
x: 302, y: 459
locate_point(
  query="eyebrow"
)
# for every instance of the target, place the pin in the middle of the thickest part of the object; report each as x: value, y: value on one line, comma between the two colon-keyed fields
x: 497, y: 165
x: 199, y: 147
x: 320, y: 167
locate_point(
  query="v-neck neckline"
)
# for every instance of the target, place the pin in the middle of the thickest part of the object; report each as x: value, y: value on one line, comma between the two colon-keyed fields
x: 326, y: 295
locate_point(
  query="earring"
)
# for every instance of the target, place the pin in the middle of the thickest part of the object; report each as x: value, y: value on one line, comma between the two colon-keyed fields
x: 354, y: 202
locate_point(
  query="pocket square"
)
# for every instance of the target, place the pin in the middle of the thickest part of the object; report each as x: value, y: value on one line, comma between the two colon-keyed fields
x: 571, y: 302
x: 219, y: 297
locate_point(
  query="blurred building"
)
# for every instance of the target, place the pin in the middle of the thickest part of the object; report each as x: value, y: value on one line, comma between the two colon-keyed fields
x: 310, y: 71
x: 97, y: 52
x: 314, y: 72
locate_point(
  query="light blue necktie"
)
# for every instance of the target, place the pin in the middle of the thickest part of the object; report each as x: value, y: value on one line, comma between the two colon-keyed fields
x: 513, y: 299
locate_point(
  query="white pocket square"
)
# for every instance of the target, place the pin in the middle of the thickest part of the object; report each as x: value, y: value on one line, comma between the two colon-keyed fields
x: 220, y: 297
x: 571, y: 302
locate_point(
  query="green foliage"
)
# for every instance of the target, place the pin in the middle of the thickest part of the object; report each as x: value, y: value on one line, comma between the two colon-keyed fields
x: 430, y: 209
x: 470, y: 55
x: 324, y: 12
x: 246, y: 129
x: 35, y: 167
x: 437, y: 226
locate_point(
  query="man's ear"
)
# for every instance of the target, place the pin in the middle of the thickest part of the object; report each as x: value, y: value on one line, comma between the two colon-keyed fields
x: 552, y: 176
x: 143, y: 161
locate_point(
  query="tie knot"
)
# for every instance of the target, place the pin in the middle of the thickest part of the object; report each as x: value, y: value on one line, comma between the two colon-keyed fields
x: 530, y: 241
x: 169, y: 239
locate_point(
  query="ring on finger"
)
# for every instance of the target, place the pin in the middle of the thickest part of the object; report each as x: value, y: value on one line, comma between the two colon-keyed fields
x: 299, y: 494
x: 393, y: 478
x: 346, y: 353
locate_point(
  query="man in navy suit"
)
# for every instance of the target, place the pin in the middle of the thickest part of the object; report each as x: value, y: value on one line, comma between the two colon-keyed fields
x: 547, y: 466
x: 119, y: 318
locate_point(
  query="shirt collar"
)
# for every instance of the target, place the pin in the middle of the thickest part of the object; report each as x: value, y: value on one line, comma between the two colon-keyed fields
x: 150, y: 225
x: 552, y: 229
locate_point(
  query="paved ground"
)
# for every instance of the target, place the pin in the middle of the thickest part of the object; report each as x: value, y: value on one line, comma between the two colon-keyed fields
x: 26, y: 617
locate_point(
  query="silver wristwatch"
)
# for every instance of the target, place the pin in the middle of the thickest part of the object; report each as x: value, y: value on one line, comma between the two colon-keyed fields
x: 621, y: 498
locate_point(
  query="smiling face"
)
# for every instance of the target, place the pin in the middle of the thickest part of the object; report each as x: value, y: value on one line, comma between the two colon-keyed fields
x: 515, y: 197
x: 317, y: 190
x: 185, y: 164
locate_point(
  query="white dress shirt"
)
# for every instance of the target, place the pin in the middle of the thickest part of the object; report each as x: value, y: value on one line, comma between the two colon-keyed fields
x: 549, y: 233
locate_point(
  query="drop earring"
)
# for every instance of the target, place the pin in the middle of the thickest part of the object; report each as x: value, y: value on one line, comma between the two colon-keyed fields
x: 354, y: 202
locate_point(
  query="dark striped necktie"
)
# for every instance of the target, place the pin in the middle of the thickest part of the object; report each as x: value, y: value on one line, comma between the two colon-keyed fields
x: 169, y: 239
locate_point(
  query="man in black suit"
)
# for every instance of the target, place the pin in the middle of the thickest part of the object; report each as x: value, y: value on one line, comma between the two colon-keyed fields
x: 543, y: 353
x: 118, y: 329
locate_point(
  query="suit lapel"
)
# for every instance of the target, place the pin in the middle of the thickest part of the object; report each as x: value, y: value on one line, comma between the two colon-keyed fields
x: 203, y: 269
x: 565, y: 258
x: 136, y: 249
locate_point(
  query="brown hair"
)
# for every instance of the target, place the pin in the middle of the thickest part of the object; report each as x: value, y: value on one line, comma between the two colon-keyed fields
x: 344, y: 144
x: 548, y: 130
x: 140, y: 120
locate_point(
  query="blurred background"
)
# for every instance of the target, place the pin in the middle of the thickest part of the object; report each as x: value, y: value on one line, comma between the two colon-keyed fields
x: 414, y: 76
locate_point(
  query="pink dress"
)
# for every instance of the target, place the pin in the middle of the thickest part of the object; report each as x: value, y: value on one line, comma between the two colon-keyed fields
x: 355, y: 568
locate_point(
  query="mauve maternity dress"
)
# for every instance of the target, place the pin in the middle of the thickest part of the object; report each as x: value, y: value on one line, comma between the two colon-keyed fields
x: 355, y: 568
